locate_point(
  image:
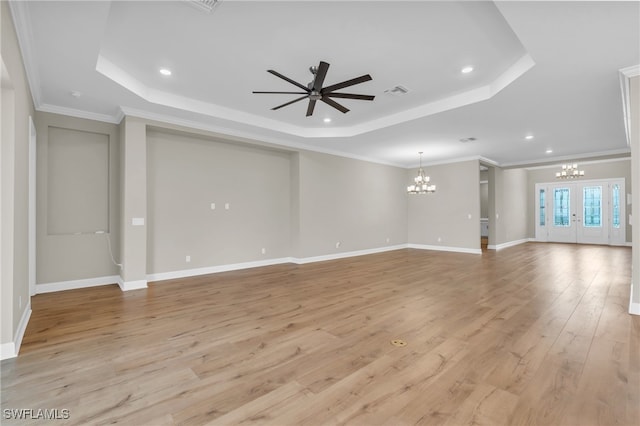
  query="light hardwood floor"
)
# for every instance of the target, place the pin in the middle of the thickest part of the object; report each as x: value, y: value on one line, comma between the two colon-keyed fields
x: 533, y: 334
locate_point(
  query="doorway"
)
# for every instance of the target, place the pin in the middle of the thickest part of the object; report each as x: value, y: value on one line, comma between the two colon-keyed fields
x: 585, y: 212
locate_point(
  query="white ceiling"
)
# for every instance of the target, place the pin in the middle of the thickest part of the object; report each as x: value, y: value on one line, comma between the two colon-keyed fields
x: 549, y: 69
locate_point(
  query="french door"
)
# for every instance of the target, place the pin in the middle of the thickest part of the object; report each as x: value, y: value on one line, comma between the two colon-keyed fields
x: 586, y: 212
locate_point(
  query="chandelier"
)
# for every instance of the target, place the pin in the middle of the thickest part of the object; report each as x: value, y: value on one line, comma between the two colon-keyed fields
x: 422, y: 183
x: 569, y: 171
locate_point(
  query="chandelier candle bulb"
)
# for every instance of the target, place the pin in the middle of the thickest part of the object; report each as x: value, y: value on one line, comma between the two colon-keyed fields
x: 570, y: 171
x: 422, y: 181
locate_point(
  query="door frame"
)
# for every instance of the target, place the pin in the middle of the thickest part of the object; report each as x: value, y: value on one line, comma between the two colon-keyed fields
x: 616, y: 236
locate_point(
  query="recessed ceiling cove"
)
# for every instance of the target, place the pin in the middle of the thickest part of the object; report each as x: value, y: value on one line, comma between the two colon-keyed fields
x: 219, y: 58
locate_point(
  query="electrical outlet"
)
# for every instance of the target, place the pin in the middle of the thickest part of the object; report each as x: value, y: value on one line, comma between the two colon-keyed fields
x: 187, y: 259
x: 213, y: 206
x: 338, y: 244
x: 227, y: 206
x: 439, y: 239
x: 264, y: 250
x: 388, y: 239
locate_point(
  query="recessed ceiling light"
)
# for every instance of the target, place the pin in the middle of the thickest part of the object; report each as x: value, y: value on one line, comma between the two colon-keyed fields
x: 327, y: 120
x: 528, y: 137
x: 549, y: 151
x: 165, y: 71
x: 466, y: 70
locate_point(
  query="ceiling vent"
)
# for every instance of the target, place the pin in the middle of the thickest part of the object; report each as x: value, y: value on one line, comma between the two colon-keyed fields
x: 397, y: 91
x: 465, y: 140
x: 204, y: 5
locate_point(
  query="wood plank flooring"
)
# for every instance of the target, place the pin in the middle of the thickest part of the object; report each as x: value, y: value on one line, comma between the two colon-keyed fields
x: 533, y: 334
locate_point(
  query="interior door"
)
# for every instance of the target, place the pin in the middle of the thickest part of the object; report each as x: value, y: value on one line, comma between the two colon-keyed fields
x: 562, y: 204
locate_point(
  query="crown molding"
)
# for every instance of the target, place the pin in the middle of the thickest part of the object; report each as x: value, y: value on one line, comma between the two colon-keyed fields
x: 626, y: 74
x: 543, y: 161
x: 556, y: 164
x: 22, y: 24
x: 55, y: 109
x: 249, y: 137
x: 120, y: 76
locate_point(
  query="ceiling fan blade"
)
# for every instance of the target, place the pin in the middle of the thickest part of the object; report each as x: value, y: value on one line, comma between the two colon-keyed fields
x: 350, y: 96
x: 334, y: 104
x: 295, y: 83
x: 347, y: 83
x: 290, y: 102
x: 312, y: 105
x: 285, y: 93
x: 321, y: 73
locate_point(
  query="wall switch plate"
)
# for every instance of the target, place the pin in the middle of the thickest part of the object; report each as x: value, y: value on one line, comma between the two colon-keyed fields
x: 338, y: 244
x: 187, y: 259
x: 264, y: 250
x: 227, y: 206
x: 137, y: 221
x: 213, y: 206
x: 469, y: 216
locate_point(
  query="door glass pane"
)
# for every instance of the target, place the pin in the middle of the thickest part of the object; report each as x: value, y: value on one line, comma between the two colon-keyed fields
x: 592, y: 206
x: 542, y: 211
x: 561, y: 207
x: 615, y: 201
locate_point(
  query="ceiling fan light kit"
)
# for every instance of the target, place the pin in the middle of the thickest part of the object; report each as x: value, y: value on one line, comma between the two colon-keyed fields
x: 315, y: 92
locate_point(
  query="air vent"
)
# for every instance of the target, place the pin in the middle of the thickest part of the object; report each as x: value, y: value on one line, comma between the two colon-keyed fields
x: 397, y: 91
x: 465, y: 140
x: 204, y: 5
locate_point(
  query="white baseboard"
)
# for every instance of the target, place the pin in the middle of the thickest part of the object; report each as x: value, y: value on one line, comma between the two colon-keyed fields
x: 131, y: 285
x: 8, y: 350
x: 334, y: 256
x: 445, y: 248
x: 161, y: 276
x: 509, y: 244
x: 634, y: 308
x: 75, y: 284
x: 11, y: 349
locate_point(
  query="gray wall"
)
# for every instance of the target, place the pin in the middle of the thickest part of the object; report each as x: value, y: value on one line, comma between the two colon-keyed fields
x: 598, y: 170
x: 188, y: 173
x: 444, y: 214
x: 514, y: 212
x: 17, y: 106
x: 356, y: 203
x: 67, y: 253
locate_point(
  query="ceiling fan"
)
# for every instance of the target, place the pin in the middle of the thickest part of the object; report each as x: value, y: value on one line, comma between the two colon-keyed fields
x: 315, y: 92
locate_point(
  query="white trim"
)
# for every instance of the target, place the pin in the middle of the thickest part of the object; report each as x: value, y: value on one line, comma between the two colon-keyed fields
x: 22, y: 25
x: 123, y: 78
x: 445, y: 248
x: 545, y: 161
x: 625, y: 87
x: 75, y: 284
x: 161, y: 276
x: 22, y: 327
x: 78, y: 113
x: 508, y: 244
x: 32, y: 208
x: 557, y: 165
x: 634, y: 308
x: 131, y: 285
x: 7, y: 350
x: 246, y: 136
x: 334, y: 256
x: 11, y: 349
